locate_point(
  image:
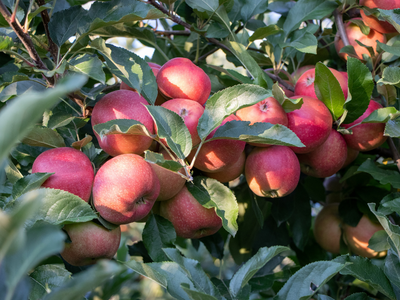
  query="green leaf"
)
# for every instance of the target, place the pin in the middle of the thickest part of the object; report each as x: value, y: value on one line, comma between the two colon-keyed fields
x: 392, y: 128
x: 263, y: 32
x: 158, y: 233
x: 381, y: 115
x: 28, y: 183
x: 317, y: 273
x: 20, y: 88
x: 364, y: 28
x: 250, y: 8
x: 34, y: 105
x: 257, y: 133
x: 43, y: 137
x: 121, y: 126
x: 195, y: 295
x: 171, y: 127
x: 364, y: 270
x: 379, y: 241
x: 328, y: 90
x: 288, y: 104
x: 392, y: 17
x: 359, y: 296
x: 211, y: 193
x: 12, y: 173
x: 39, y: 10
x: 233, y: 74
x: 209, y: 6
x: 158, y: 159
x: 251, y: 267
x: 392, y: 268
x: 90, y: 65
x: 360, y: 84
x: 390, y: 204
x: 389, y: 92
x: 307, y: 43
x: 6, y: 42
x: 226, y: 102
x: 383, y: 176
x: 391, y: 76
x: 391, y: 49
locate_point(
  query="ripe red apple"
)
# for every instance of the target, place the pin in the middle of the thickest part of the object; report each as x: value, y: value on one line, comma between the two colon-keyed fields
x: 218, y: 155
x: 73, y: 171
x: 312, y: 123
x: 125, y: 189
x: 327, y: 159
x: 190, y: 111
x: 357, y: 238
x: 230, y: 173
x: 373, y: 22
x: 297, y: 74
x: 351, y: 156
x: 90, y: 242
x: 123, y: 104
x: 273, y: 171
x: 327, y: 231
x: 366, y: 136
x: 305, y: 84
x: 190, y: 219
x: 354, y: 33
x: 180, y: 78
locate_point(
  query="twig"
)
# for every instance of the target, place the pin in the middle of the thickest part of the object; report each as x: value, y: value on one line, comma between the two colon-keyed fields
x: 394, y: 152
x: 172, y: 32
x: 204, y: 56
x: 281, y: 81
x: 53, y: 49
x: 340, y: 27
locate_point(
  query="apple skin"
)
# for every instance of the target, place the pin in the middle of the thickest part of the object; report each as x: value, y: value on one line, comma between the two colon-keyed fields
x: 366, y: 136
x: 190, y: 219
x: 230, y: 173
x: 305, y: 84
x: 73, y: 171
x: 351, y: 156
x: 218, y: 155
x: 190, y: 111
x: 312, y: 123
x: 90, y: 243
x: 327, y: 159
x: 272, y: 172
x: 327, y: 228
x: 354, y: 33
x: 372, y: 22
x: 180, y: 78
x: 357, y: 238
x: 125, y: 189
x: 297, y: 74
x: 123, y: 104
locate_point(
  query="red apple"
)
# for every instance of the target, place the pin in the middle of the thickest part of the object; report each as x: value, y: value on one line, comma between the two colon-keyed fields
x: 273, y: 171
x: 89, y: 243
x: 327, y: 231
x: 312, y: 123
x: 366, y: 136
x: 372, y: 22
x: 125, y: 189
x: 327, y: 159
x: 180, y: 78
x: 190, y: 219
x: 297, y: 74
x: 230, y: 173
x: 190, y: 111
x: 123, y: 104
x: 73, y: 171
x: 351, y: 156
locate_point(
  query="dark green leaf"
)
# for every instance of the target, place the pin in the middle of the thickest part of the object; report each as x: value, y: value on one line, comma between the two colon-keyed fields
x: 43, y: 137
x: 307, y: 43
x: 28, y: 183
x: 158, y: 159
x: 263, y: 32
x: 89, y: 65
x: 20, y: 88
x: 249, y: 8
x: 195, y: 295
x: 392, y: 267
x: 391, y: 49
x: 300, y: 221
x: 383, y: 176
x: 359, y: 296
x: 379, y: 241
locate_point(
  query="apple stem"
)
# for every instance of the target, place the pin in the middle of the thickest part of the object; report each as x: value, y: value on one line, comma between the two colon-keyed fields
x: 195, y: 156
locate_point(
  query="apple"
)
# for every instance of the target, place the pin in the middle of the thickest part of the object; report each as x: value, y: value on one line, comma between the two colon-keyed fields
x: 190, y: 219
x: 351, y: 156
x: 312, y: 123
x: 232, y: 172
x: 273, y: 171
x: 305, y: 84
x: 89, y: 243
x: 123, y: 104
x: 287, y: 92
x: 354, y: 33
x: 73, y: 171
x: 383, y: 4
x: 218, y: 155
x: 357, y: 238
x: 125, y: 189
x: 180, y: 78
x: 333, y: 188
x: 327, y: 159
x: 190, y: 111
x: 373, y: 22
x: 296, y: 74
x: 366, y: 136
x: 327, y: 228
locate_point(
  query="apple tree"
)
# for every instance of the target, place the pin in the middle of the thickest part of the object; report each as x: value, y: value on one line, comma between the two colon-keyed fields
x: 209, y: 149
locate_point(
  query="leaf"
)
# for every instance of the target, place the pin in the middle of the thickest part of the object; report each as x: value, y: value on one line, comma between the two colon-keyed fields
x: 328, y: 90
x: 12, y: 173
x: 211, y: 193
x: 364, y: 270
x: 359, y: 296
x: 317, y: 273
x: 158, y: 159
x: 89, y: 65
x: 307, y: 43
x: 360, y: 84
x: 288, y: 104
x: 392, y: 128
x: 381, y: 115
x: 233, y: 74
x: 6, y: 42
x: 390, y: 49
x: 391, y: 16
x: 195, y: 295
x: 379, y: 241
x: 390, y: 76
x: 392, y: 267
x: 247, y: 271
x: 226, y: 102
x: 121, y: 126
x: 383, y: 176
x: 263, y: 32
x: 251, y: 8
x: 20, y: 88
x: 360, y: 23
x: 204, y: 6
x: 39, y: 10
x: 387, y: 91
x: 158, y: 233
x: 78, y: 145
x: 43, y: 137
x: 28, y: 183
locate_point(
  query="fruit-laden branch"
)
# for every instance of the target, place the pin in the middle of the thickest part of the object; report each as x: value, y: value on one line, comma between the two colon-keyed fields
x: 53, y: 49
x: 340, y: 27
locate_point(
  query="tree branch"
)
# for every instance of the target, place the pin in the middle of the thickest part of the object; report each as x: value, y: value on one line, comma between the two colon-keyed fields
x: 53, y: 49
x: 172, y: 32
x: 280, y: 81
x: 340, y: 27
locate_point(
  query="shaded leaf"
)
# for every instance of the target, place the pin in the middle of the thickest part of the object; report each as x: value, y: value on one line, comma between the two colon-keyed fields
x: 382, y: 175
x: 43, y: 137
x: 20, y: 88
x: 263, y: 32
x: 28, y: 183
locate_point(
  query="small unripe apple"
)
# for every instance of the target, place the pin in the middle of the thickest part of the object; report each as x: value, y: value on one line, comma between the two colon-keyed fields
x: 327, y: 231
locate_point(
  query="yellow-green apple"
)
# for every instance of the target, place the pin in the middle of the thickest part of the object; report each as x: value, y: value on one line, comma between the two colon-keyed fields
x: 125, y: 189
x: 123, y: 104
x: 366, y: 136
x: 190, y: 219
x: 190, y: 111
x: 312, y: 123
x: 357, y: 238
x: 327, y: 159
x: 218, y: 155
x: 89, y: 243
x: 273, y: 171
x: 73, y: 171
x: 373, y: 22
x: 327, y: 228
x: 230, y: 173
x: 354, y: 33
x: 170, y: 182
x: 296, y: 74
x: 305, y: 84
x: 180, y: 78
